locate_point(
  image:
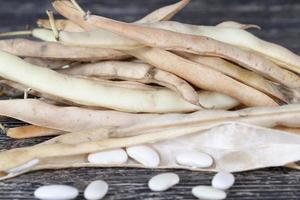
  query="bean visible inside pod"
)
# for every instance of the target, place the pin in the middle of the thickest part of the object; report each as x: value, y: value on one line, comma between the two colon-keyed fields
x: 162, y: 182
x: 26, y: 166
x: 56, y: 192
x: 115, y: 156
x: 194, y: 159
x: 96, y: 190
x: 208, y: 193
x: 145, y: 155
x: 223, y: 180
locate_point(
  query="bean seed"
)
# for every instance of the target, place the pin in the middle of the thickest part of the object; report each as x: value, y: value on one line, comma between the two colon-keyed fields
x: 116, y: 156
x: 144, y: 155
x: 194, y: 159
x: 223, y: 180
x: 162, y: 182
x: 56, y: 192
x: 96, y: 190
x: 208, y: 193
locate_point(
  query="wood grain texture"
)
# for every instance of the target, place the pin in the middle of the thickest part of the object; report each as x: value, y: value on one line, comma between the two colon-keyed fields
x: 280, y: 22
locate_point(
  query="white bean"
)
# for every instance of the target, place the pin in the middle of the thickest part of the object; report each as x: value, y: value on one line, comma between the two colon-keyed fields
x: 223, y: 180
x: 26, y: 166
x: 208, y: 193
x: 116, y: 156
x: 96, y: 190
x: 162, y: 182
x: 144, y: 155
x: 194, y: 159
x: 56, y: 192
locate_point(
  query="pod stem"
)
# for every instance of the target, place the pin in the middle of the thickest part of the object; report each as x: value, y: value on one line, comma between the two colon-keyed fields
x: 52, y: 24
x: 16, y: 33
x: 77, y: 6
x: 3, y: 129
x: 26, y: 91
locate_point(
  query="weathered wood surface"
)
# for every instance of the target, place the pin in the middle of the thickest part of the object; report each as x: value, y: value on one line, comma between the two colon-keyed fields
x: 280, y: 20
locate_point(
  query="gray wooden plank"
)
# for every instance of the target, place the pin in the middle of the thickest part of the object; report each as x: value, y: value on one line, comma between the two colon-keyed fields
x: 132, y: 183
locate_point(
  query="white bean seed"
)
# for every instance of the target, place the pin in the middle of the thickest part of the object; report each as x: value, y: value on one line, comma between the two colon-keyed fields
x: 208, y: 193
x: 194, y: 159
x: 223, y: 180
x: 24, y: 167
x: 116, y: 156
x: 96, y: 190
x: 162, y: 182
x: 56, y: 192
x: 144, y: 155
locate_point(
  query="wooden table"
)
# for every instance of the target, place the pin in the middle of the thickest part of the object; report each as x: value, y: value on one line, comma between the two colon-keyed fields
x: 280, y: 20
